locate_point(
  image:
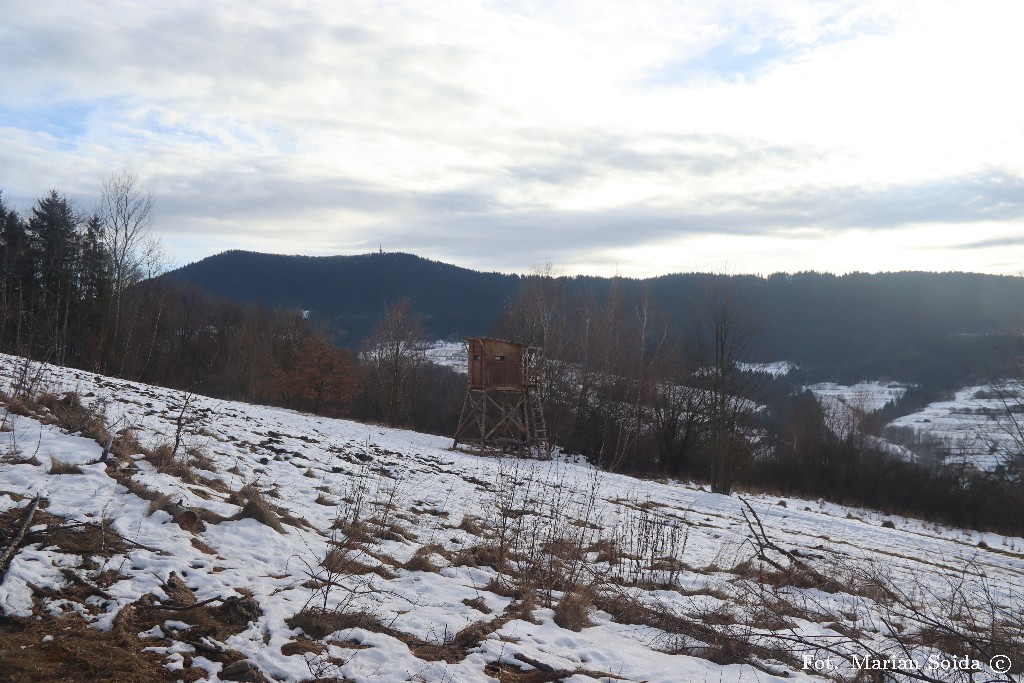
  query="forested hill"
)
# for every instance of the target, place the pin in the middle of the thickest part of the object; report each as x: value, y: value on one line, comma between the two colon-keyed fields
x: 911, y: 326
x: 351, y: 291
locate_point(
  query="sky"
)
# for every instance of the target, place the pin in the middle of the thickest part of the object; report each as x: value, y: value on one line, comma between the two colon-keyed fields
x: 635, y: 138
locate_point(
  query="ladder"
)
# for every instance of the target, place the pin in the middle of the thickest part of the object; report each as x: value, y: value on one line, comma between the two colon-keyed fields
x: 538, y: 426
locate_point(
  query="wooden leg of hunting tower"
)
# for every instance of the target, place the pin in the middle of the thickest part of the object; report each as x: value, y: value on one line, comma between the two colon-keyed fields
x: 462, y: 422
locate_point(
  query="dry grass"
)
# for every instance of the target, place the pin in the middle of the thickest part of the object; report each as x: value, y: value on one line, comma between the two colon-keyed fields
x: 70, y: 415
x: 61, y: 467
x: 126, y: 444
x: 318, y: 624
x: 481, y: 555
x: 255, y: 506
x: 420, y: 560
x: 573, y: 611
x: 347, y: 562
x: 471, y: 525
x: 79, y: 653
x: 84, y: 539
x: 478, y: 604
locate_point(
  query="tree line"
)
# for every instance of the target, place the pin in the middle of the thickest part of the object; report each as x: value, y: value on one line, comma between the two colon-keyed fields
x: 77, y: 288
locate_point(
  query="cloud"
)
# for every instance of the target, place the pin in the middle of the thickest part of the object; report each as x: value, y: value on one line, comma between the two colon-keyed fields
x: 519, y: 131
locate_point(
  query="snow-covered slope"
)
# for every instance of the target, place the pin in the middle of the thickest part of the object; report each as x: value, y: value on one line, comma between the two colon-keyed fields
x: 975, y: 425
x: 397, y: 559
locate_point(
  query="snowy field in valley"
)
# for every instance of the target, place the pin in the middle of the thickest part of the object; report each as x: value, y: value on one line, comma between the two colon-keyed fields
x: 359, y: 553
x: 775, y: 369
x: 973, y: 425
x: 449, y: 354
x: 865, y: 396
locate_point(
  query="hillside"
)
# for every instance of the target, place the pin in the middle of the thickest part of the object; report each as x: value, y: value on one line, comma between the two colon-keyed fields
x: 351, y: 291
x: 277, y: 546
x: 948, y: 328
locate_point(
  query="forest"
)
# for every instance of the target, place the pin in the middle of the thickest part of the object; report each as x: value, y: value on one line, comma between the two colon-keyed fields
x: 639, y: 378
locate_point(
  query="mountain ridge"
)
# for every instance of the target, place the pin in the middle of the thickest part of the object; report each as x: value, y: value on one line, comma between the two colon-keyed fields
x: 845, y: 327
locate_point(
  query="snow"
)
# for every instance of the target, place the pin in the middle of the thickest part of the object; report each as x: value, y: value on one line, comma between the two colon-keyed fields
x: 448, y: 354
x: 431, y: 490
x: 970, y: 424
x: 864, y: 396
x: 779, y: 368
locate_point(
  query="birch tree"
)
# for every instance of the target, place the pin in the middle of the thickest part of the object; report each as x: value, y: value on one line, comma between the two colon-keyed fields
x: 126, y: 209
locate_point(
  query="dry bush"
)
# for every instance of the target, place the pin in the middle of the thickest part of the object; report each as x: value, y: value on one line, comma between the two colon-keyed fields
x: 573, y: 611
x: 480, y: 555
x: 471, y: 525
x: 61, y: 467
x: 255, y: 506
x: 125, y: 444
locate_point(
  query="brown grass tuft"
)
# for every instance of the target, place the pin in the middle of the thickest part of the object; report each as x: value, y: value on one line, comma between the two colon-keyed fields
x: 573, y: 611
x: 61, y: 467
x: 420, y: 560
x: 318, y: 624
x: 255, y: 506
x: 478, y: 604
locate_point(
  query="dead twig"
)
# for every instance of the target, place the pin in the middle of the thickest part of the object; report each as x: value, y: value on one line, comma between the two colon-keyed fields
x: 12, y: 549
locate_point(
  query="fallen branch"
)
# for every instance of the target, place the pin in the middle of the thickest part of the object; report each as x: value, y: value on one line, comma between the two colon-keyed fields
x: 759, y: 538
x: 108, y: 530
x: 12, y: 549
x: 185, y: 608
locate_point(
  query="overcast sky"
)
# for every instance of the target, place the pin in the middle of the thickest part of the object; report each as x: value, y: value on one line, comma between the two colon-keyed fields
x: 606, y: 137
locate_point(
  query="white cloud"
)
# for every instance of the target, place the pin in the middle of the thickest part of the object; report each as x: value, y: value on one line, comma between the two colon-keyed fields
x: 596, y: 130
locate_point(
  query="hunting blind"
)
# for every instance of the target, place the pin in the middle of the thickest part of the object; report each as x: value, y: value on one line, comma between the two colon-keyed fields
x: 502, y: 410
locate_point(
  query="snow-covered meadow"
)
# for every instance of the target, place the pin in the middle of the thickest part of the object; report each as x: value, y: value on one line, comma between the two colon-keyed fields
x: 395, y: 558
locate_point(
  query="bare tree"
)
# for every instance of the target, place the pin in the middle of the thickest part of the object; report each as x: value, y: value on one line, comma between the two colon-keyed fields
x: 126, y: 209
x: 724, y: 336
x: 392, y: 363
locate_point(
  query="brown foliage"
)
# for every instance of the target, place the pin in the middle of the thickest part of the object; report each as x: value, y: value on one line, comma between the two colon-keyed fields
x: 316, y: 375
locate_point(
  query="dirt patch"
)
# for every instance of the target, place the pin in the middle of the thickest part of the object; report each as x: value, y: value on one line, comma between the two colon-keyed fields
x: 209, y: 624
x: 78, y: 653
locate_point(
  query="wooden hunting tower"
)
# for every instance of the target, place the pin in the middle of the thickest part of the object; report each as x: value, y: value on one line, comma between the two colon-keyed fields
x: 502, y: 410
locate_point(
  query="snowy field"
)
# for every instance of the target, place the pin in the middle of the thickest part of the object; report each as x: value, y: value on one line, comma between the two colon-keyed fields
x: 449, y: 354
x: 397, y: 559
x: 779, y: 368
x: 973, y: 425
x: 865, y: 396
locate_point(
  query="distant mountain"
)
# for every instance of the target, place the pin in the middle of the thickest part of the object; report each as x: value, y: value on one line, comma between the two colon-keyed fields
x: 910, y: 326
x: 350, y: 291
